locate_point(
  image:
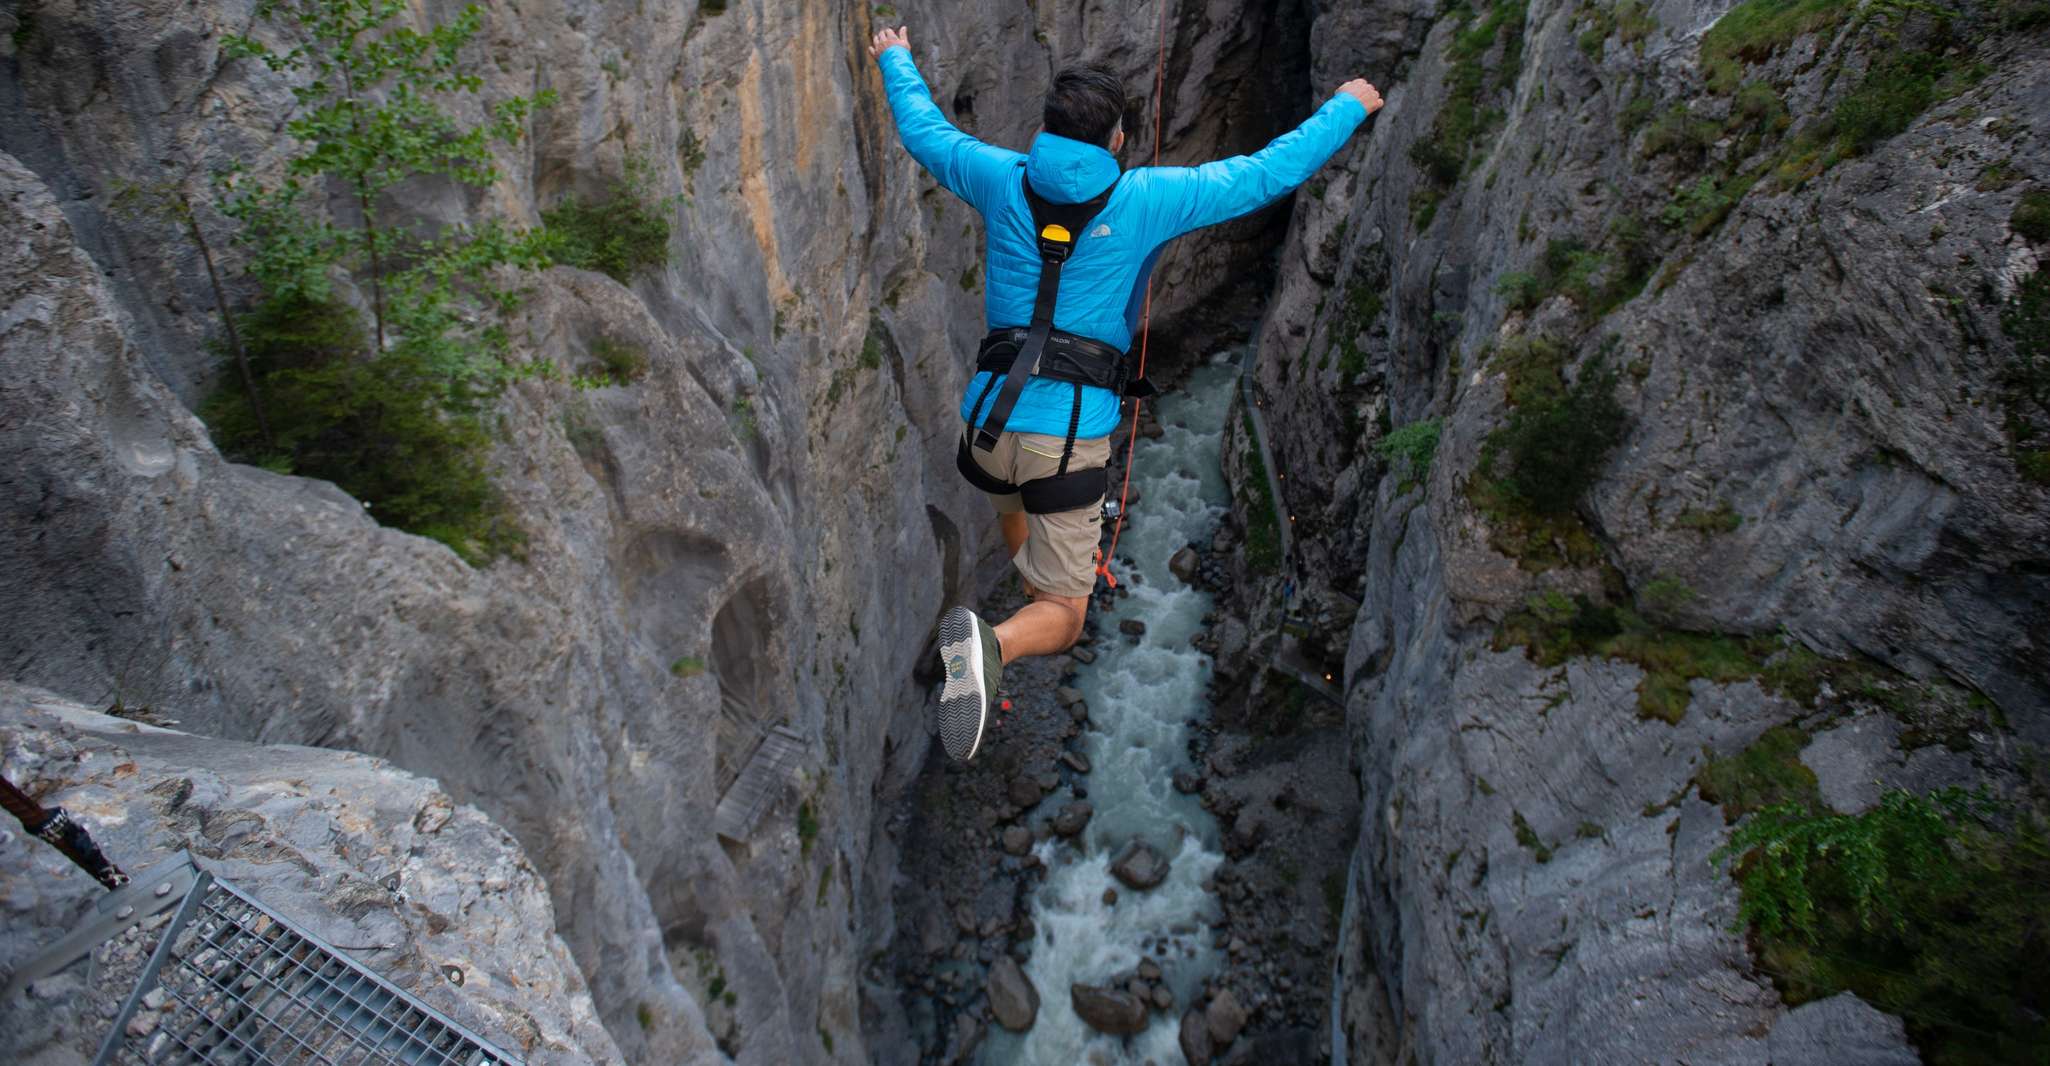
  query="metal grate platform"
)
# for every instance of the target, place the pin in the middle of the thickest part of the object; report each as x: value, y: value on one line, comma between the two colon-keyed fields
x: 232, y: 982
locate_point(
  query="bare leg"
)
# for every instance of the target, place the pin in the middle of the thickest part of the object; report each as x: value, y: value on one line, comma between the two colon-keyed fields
x: 1047, y: 625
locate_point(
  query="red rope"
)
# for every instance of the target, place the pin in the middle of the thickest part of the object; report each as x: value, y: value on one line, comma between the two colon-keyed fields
x: 1145, y: 322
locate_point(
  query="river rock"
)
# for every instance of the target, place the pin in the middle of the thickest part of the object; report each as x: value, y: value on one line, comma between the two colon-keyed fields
x: 1017, y: 840
x: 1082, y: 655
x: 1110, y: 897
x: 1184, y: 564
x: 1108, y: 1010
x: 1073, y: 817
x: 1067, y: 695
x: 1023, y: 791
x: 1076, y: 761
x: 1163, y: 998
x: 1224, y: 1018
x: 1195, y: 1038
x: 1187, y: 781
x: 1139, y: 866
x: 1149, y: 970
x: 1012, y: 998
x: 1132, y: 627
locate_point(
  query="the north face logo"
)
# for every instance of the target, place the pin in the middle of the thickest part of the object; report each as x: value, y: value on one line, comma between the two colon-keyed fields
x: 1101, y: 230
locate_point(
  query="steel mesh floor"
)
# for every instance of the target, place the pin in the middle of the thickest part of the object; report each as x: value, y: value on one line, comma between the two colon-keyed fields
x: 233, y: 983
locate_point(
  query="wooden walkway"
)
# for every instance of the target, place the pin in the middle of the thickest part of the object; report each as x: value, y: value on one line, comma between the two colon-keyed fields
x: 768, y: 771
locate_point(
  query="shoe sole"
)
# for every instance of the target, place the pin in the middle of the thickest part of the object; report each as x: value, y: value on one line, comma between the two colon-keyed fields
x: 964, y: 708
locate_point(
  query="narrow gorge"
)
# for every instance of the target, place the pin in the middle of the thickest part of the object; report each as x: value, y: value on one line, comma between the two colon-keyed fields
x: 1640, y: 426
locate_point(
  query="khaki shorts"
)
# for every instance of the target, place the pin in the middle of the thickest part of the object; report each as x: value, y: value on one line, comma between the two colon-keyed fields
x: 1059, y: 556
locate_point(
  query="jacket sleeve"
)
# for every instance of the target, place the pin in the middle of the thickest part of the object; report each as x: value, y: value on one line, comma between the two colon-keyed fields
x: 1189, y: 198
x: 974, y: 171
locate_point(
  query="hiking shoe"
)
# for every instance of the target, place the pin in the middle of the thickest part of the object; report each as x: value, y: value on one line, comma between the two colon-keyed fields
x: 974, y: 665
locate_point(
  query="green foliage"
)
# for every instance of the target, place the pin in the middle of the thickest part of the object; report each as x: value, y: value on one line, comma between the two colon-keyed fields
x: 1556, y: 440
x: 717, y: 988
x: 1723, y: 519
x: 688, y: 666
x: 807, y: 827
x: 619, y: 234
x: 1597, y: 282
x: 1263, y: 518
x: 386, y: 431
x: 2031, y: 216
x: 871, y: 353
x: 1362, y: 307
x: 1665, y: 596
x: 1897, y: 88
x: 1465, y: 118
x: 2026, y: 321
x: 1928, y: 907
x: 1528, y: 837
x: 826, y: 1040
x: 645, y: 1015
x: 1700, y: 208
x: 1414, y: 444
x: 612, y: 363
x: 1752, y: 31
x: 397, y: 418
x: 825, y: 884
x: 1767, y: 773
x: 1677, y: 132
x: 971, y: 277
x: 1554, y: 628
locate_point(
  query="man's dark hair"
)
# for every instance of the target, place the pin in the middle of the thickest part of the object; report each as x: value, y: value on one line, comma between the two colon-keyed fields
x: 1085, y: 104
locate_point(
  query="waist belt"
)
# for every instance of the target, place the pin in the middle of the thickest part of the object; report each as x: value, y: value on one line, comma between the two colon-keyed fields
x: 1064, y: 357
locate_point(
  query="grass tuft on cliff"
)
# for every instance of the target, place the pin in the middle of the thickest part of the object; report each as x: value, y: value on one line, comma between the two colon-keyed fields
x: 2026, y: 321
x: 620, y: 234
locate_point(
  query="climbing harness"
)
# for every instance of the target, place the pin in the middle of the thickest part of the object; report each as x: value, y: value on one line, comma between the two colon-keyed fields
x: 1013, y: 355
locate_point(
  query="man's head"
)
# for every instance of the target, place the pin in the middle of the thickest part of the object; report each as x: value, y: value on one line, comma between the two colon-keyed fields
x: 1085, y: 104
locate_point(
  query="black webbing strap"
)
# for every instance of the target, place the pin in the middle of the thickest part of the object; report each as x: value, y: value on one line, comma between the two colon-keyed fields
x: 1074, y: 423
x: 1056, y: 227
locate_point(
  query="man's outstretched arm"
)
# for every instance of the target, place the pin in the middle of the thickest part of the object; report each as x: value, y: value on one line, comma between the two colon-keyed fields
x: 970, y: 169
x: 1224, y: 190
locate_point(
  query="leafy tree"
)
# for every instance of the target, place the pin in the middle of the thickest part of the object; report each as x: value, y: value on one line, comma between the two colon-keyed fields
x: 397, y: 417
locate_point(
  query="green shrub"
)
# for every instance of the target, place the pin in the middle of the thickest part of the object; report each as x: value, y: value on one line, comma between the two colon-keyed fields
x: 386, y: 431
x: 614, y: 363
x: 1665, y: 596
x: 1414, y: 444
x: 1463, y: 119
x: 1752, y: 31
x: 1678, y: 133
x: 1556, y: 445
x: 1701, y: 207
x: 2026, y: 322
x: 1767, y: 773
x: 1930, y: 908
x: 688, y: 666
x: 807, y: 827
x: 1554, y: 628
x: 1897, y: 88
x: 1263, y: 517
x: 2031, y: 216
x: 1722, y: 519
x: 1520, y: 289
x: 1528, y: 837
x: 619, y: 234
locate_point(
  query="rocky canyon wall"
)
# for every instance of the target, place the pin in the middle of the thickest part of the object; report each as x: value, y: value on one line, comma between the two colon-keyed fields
x: 1819, y: 464
x: 772, y: 502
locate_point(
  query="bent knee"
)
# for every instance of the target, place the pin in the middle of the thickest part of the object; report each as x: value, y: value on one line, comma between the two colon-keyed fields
x: 1077, y: 608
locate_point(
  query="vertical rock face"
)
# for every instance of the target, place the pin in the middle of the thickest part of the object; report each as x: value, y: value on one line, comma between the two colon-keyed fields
x: 1818, y: 456
x: 773, y: 501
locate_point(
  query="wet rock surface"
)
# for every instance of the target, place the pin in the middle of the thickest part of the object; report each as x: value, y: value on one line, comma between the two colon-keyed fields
x: 1118, y: 1012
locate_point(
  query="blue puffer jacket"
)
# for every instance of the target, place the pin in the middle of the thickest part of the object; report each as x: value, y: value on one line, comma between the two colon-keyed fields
x: 1103, y: 283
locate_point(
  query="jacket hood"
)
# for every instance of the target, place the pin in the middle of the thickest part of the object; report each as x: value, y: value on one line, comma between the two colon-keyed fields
x: 1069, y: 172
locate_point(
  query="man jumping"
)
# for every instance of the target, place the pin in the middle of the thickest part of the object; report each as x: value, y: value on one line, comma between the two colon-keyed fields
x: 1071, y: 241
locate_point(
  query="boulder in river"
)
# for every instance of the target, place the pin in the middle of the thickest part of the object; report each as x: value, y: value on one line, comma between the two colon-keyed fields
x: 1184, y: 565
x: 1017, y: 840
x: 1012, y: 999
x: 1024, y: 791
x: 1067, y: 695
x: 1072, y: 818
x: 1187, y: 781
x: 1195, y: 1038
x: 1132, y: 627
x: 1139, y: 866
x: 1224, y: 1018
x: 1076, y: 761
x: 1108, y: 1010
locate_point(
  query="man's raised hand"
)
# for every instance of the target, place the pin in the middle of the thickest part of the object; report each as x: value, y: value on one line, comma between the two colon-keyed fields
x: 886, y: 39
x: 1359, y: 89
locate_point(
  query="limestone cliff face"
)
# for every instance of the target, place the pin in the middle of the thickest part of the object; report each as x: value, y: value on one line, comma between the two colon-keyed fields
x: 1813, y: 368
x: 766, y: 500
